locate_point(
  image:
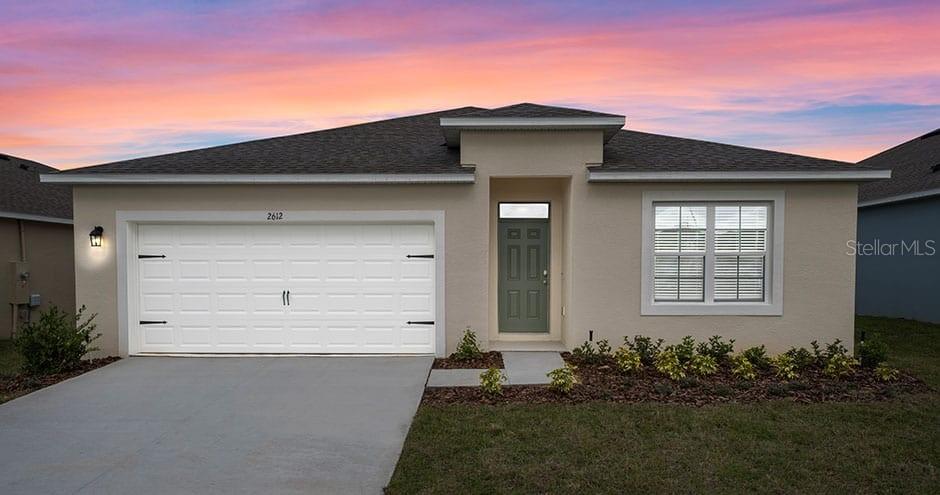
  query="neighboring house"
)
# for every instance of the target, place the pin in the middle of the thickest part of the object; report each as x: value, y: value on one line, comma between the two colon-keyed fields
x: 898, y: 267
x: 535, y: 226
x: 35, y: 243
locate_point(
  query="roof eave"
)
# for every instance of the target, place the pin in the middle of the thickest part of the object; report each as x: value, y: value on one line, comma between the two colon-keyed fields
x: 144, y: 179
x: 34, y: 218
x: 900, y: 197
x: 451, y: 126
x: 740, y: 176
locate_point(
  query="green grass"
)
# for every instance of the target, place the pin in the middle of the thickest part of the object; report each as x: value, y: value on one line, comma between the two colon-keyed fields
x: 10, y: 360
x: 778, y: 447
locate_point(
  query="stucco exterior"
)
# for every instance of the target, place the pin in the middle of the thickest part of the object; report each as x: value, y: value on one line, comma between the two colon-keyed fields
x: 596, y: 251
x: 52, y: 271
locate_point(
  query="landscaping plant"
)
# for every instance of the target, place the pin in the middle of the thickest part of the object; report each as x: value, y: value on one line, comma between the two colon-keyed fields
x: 603, y: 349
x: 684, y: 349
x: 801, y: 357
x: 468, y: 348
x: 840, y: 365
x: 786, y: 366
x: 887, y: 374
x: 872, y: 352
x: 562, y: 379
x: 628, y: 360
x: 55, y: 343
x: 717, y: 348
x: 587, y: 354
x: 742, y: 367
x: 491, y: 381
x: 645, y: 347
x: 703, y: 365
x: 757, y: 356
x: 667, y: 363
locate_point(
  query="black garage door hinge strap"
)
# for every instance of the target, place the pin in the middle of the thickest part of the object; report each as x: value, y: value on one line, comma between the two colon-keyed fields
x: 153, y: 322
x: 420, y: 322
x: 420, y: 256
x: 143, y: 256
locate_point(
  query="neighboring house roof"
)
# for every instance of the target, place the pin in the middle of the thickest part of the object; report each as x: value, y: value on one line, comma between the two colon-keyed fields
x: 413, y: 149
x: 915, y: 167
x: 23, y: 196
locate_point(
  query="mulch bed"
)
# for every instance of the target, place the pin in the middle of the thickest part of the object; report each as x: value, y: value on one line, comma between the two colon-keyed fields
x: 605, y: 383
x: 490, y: 359
x: 22, y: 384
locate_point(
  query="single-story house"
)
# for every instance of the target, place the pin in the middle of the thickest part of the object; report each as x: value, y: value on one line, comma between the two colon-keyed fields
x: 898, y: 264
x: 35, y: 243
x: 536, y: 226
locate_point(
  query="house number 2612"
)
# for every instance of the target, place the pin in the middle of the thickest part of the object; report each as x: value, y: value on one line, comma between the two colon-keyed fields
x: 275, y: 215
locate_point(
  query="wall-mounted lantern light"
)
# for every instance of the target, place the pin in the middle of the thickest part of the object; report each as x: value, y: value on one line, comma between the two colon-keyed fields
x: 95, y: 236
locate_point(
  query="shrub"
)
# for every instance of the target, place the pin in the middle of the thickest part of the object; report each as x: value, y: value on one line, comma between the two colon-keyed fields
x: 628, y: 360
x: 703, y: 365
x: 741, y: 367
x: 757, y: 356
x: 468, y: 348
x: 801, y: 357
x: 645, y: 347
x: 785, y: 366
x: 835, y: 349
x: 667, y: 363
x: 684, y: 349
x: 562, y: 379
x: 887, y: 374
x: 586, y: 354
x: 603, y: 349
x: 717, y: 348
x: 872, y: 352
x: 57, y: 342
x: 840, y: 365
x: 817, y: 354
x: 491, y: 381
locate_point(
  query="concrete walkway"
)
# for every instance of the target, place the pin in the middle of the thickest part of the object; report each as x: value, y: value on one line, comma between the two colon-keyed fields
x: 214, y: 425
x: 522, y: 368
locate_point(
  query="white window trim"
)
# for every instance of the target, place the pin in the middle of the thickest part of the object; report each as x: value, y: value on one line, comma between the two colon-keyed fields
x: 772, y: 306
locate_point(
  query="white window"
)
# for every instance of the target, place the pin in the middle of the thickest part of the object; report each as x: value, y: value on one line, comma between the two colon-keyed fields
x: 712, y: 253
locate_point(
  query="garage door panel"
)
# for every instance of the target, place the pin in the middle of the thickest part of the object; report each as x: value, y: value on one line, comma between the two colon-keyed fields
x: 221, y: 288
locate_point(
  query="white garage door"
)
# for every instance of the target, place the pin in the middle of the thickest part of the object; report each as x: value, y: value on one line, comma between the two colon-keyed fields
x: 286, y: 288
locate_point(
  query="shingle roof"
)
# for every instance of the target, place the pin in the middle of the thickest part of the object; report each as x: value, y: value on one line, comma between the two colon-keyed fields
x: 531, y: 110
x: 415, y: 145
x: 633, y: 151
x: 911, y: 165
x: 22, y: 193
x: 405, y: 145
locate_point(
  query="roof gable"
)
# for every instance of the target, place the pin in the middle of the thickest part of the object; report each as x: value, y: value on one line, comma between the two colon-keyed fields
x: 912, y: 169
x: 23, y: 196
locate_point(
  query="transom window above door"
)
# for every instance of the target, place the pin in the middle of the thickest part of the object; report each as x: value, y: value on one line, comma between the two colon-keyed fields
x: 704, y: 256
x: 523, y: 210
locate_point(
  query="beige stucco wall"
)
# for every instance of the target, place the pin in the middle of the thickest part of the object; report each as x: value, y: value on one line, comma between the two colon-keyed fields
x: 598, y: 280
x: 52, y: 271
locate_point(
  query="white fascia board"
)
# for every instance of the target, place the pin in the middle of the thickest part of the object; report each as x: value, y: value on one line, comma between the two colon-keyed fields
x: 114, y: 178
x: 34, y: 218
x: 530, y: 122
x: 901, y: 197
x: 725, y: 176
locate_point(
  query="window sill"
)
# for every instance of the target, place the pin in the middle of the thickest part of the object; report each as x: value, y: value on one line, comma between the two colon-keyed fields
x: 712, y: 309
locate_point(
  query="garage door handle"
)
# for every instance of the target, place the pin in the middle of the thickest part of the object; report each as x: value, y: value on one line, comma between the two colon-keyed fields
x: 153, y: 322
x: 430, y: 256
x: 283, y: 298
x: 420, y: 322
x: 288, y: 298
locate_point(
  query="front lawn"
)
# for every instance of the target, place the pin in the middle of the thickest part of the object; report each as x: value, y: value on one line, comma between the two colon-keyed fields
x: 778, y: 446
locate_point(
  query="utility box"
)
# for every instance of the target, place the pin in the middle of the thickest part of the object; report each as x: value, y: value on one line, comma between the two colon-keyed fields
x: 20, y: 280
x: 34, y: 300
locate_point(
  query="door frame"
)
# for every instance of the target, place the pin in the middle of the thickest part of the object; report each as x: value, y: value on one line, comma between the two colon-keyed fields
x: 548, y: 255
x: 126, y: 222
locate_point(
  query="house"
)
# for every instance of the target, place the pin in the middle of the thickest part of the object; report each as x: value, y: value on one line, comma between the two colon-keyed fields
x: 898, y: 264
x: 35, y: 243
x: 538, y: 227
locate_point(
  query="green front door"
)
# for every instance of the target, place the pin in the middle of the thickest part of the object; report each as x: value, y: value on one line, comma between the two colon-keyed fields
x: 523, y: 275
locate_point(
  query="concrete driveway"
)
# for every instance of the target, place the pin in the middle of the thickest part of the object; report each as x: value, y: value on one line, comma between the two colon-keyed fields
x: 214, y: 425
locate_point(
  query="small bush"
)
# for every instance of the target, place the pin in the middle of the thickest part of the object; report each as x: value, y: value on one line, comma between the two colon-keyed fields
x: 603, y: 349
x: 491, y: 382
x: 785, y: 366
x: 684, y: 350
x: 645, y: 346
x: 887, y: 374
x: 840, y: 365
x: 717, y: 348
x: 835, y: 349
x: 757, y: 356
x: 586, y: 354
x: 703, y: 365
x: 817, y: 354
x: 801, y: 357
x: 741, y: 367
x: 872, y: 352
x: 628, y: 360
x: 57, y: 342
x: 667, y: 363
x: 563, y: 379
x: 468, y: 348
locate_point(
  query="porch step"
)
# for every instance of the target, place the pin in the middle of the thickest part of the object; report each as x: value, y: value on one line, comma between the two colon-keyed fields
x: 526, y: 345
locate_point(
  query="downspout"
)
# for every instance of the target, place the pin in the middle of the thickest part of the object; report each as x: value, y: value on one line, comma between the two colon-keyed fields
x: 22, y: 228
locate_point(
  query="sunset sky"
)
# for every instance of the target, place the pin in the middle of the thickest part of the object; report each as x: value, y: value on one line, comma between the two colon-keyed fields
x: 92, y: 82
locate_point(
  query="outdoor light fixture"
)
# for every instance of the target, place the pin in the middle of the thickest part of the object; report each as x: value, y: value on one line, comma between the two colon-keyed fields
x: 95, y: 236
